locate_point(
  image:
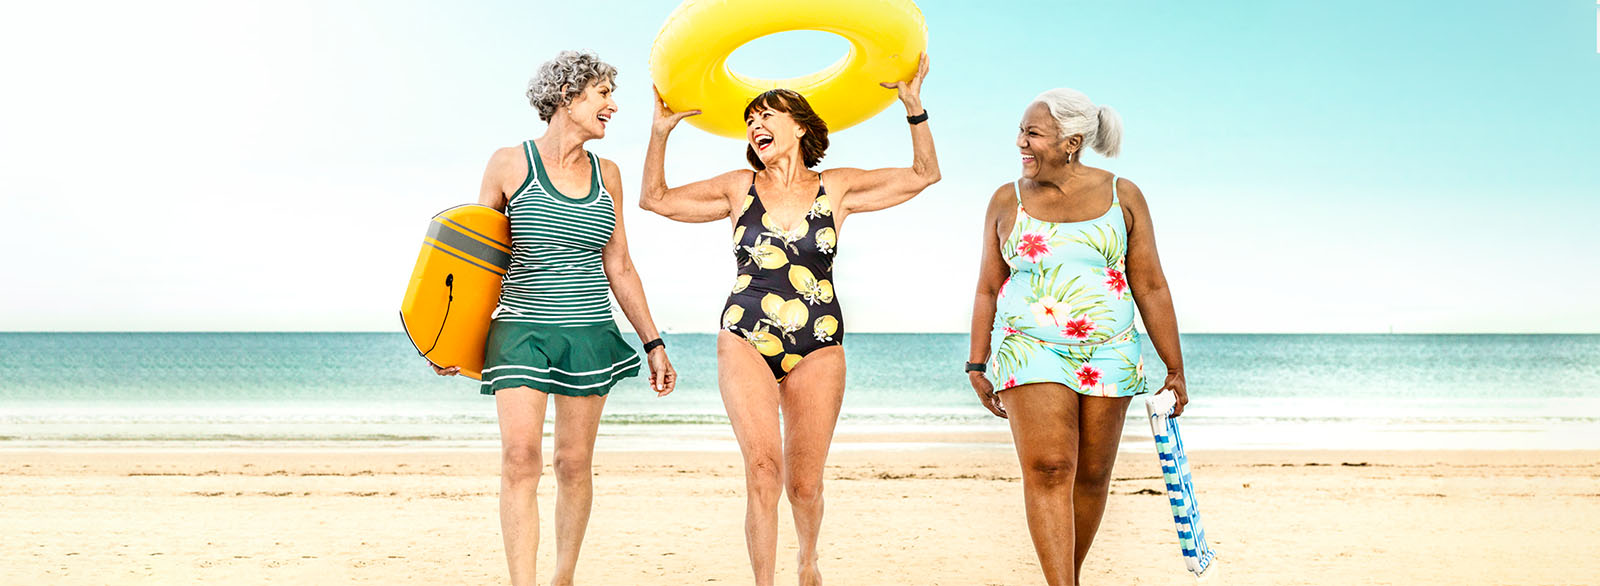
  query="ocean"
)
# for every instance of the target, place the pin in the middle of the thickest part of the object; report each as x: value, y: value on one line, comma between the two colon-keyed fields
x: 1247, y: 392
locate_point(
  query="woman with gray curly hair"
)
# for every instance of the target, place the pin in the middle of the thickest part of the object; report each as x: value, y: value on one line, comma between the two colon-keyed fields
x: 553, y: 333
x: 1068, y: 251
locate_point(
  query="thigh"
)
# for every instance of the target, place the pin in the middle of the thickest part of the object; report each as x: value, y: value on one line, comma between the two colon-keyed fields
x: 521, y: 415
x: 1044, y: 421
x: 749, y: 395
x: 577, y: 422
x: 811, y: 396
x: 1100, y: 422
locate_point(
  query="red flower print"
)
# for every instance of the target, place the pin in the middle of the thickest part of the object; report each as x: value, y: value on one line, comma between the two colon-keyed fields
x: 1010, y: 382
x: 1033, y: 246
x: 1079, y: 328
x: 1088, y: 376
x: 1116, y: 281
x: 1010, y: 330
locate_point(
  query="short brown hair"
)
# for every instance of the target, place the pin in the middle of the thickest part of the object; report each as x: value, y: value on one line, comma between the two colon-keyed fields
x: 815, y: 141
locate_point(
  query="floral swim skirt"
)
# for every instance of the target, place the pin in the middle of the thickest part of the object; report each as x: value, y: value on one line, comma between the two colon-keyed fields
x: 1113, y: 368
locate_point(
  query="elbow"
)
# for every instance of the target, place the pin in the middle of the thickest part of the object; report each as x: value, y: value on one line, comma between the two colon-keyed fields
x: 647, y: 203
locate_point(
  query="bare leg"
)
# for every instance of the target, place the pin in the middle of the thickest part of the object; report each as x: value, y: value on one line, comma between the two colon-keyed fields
x: 521, y: 413
x: 577, y: 422
x: 1044, y: 422
x: 751, y: 398
x: 811, y: 396
x: 1099, y: 435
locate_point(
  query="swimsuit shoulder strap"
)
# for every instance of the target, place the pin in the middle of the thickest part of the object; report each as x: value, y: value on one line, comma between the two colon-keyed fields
x: 1113, y: 190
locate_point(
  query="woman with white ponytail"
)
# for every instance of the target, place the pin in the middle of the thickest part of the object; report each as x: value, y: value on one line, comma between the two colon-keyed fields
x: 1068, y: 251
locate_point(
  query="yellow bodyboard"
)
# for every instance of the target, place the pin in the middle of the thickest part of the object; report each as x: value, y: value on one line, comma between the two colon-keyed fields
x: 456, y: 285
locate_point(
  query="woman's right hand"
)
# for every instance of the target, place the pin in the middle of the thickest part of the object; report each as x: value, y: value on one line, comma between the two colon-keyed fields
x: 987, y: 394
x: 665, y: 119
x: 446, y: 371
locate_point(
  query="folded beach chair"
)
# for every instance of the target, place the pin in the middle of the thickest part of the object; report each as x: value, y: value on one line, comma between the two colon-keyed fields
x: 1197, y: 555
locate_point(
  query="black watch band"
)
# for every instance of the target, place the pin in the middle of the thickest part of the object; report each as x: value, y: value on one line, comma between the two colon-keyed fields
x: 977, y: 367
x: 919, y: 118
x: 653, y: 344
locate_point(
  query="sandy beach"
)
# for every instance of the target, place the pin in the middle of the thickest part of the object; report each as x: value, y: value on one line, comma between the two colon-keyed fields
x: 413, y: 515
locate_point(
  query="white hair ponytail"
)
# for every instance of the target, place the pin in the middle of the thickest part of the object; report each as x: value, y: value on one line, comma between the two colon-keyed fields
x: 1100, y: 126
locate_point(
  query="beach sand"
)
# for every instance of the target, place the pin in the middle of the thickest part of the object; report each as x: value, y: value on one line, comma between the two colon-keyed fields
x: 952, y: 515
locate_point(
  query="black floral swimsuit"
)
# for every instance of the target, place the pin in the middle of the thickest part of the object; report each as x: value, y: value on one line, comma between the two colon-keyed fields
x: 783, y: 301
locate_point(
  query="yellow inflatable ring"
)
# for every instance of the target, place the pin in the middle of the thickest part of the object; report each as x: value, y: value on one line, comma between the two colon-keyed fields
x: 689, y: 62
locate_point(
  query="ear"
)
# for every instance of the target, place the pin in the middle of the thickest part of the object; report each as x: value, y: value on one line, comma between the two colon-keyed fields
x: 1074, y: 143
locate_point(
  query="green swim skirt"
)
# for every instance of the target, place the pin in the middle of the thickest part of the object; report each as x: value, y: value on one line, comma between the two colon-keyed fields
x: 574, y: 361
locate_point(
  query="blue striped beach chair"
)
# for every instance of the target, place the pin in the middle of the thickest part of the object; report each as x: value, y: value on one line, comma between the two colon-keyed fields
x: 1197, y: 554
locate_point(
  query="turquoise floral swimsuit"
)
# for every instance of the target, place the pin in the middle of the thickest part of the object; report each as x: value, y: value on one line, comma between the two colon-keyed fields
x: 1066, y: 312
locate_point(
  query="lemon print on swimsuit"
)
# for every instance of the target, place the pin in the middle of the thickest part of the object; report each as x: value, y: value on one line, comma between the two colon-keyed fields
x: 826, y: 239
x: 806, y: 284
x: 738, y: 235
x: 789, y: 360
x: 820, y: 208
x: 765, y: 342
x: 742, y: 282
x: 825, y: 328
x: 767, y: 256
x: 748, y: 199
x: 732, y: 316
x: 786, y: 315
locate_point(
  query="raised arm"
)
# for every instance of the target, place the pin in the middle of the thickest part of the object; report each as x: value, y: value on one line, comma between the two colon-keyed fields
x: 992, y: 273
x: 1150, y: 292
x: 701, y: 201
x: 628, y: 289
x: 865, y: 191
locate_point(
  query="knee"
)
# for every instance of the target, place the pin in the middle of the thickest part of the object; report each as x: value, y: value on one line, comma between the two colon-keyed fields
x: 521, y: 465
x: 805, y: 491
x: 1096, y: 479
x: 572, y: 467
x: 764, y: 473
x: 1052, y: 470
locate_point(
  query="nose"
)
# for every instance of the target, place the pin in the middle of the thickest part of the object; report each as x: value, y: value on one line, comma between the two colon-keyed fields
x: 1021, y: 142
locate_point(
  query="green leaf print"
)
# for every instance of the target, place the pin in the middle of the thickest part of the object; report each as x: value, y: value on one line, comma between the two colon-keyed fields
x: 1106, y: 242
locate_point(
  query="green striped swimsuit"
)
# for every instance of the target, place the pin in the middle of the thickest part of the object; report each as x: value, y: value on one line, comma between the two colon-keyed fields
x: 553, y: 329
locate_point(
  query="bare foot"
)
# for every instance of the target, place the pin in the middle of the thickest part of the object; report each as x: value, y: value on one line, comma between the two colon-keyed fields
x: 810, y: 575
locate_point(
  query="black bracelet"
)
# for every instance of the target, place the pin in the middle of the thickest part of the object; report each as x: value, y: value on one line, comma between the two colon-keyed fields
x: 977, y: 367
x: 653, y: 344
x: 919, y: 118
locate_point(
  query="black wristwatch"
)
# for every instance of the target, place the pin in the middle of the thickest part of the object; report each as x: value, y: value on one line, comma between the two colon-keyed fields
x: 653, y: 344
x: 919, y: 118
x: 977, y: 367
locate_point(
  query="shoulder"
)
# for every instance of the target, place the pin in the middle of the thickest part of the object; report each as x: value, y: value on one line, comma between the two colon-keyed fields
x: 1004, y: 196
x: 610, y: 176
x: 507, y: 155
x: 1130, y: 194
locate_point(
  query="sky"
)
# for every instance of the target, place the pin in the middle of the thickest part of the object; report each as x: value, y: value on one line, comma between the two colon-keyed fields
x: 1359, y: 166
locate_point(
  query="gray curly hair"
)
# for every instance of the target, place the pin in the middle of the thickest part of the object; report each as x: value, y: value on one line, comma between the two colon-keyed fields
x: 560, y: 80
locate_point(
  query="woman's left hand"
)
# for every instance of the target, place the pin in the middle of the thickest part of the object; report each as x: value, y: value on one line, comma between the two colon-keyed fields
x: 911, y: 91
x: 1178, y: 387
x: 662, y: 377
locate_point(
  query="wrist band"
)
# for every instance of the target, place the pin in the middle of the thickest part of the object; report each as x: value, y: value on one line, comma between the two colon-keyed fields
x: 919, y: 118
x: 653, y: 344
x: 977, y: 367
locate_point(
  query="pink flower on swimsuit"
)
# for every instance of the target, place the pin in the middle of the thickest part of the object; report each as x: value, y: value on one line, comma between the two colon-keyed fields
x: 1088, y: 376
x: 1010, y: 382
x: 1033, y: 246
x: 1010, y: 330
x: 1079, y: 328
x: 1116, y: 281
